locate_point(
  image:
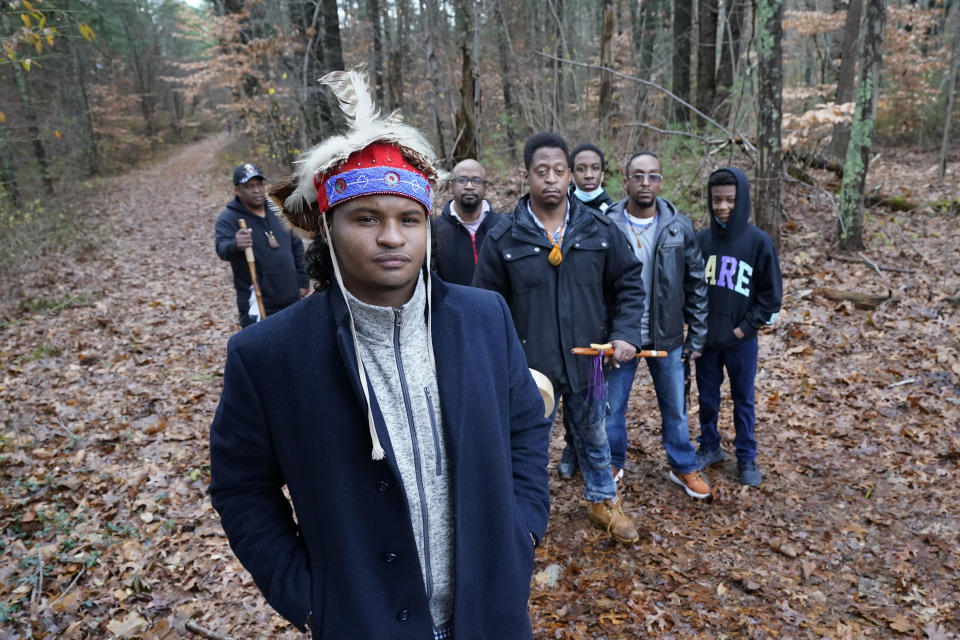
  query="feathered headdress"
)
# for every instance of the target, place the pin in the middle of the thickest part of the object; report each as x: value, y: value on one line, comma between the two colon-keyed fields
x: 303, y: 196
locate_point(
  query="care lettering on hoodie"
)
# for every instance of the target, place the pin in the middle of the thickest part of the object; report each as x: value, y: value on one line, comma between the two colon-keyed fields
x: 734, y: 274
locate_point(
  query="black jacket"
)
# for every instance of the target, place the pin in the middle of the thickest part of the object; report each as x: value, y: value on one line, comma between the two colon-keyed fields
x: 280, y: 271
x: 292, y: 413
x: 558, y: 308
x: 454, y: 252
x: 742, y: 272
x: 679, y: 294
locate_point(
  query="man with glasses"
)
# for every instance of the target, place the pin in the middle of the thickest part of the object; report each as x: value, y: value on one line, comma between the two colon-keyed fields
x: 664, y: 242
x: 459, y: 231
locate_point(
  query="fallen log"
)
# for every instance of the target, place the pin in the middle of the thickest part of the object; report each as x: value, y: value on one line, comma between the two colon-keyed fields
x: 860, y: 299
x: 815, y: 161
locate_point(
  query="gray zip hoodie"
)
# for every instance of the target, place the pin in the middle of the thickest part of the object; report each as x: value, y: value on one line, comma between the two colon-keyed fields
x: 393, y: 349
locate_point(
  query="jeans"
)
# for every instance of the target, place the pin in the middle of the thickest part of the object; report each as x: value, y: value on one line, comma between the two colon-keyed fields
x: 740, y: 361
x: 583, y: 421
x: 667, y: 374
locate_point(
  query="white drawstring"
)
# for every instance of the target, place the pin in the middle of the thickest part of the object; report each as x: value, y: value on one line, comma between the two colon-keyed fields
x: 377, y: 453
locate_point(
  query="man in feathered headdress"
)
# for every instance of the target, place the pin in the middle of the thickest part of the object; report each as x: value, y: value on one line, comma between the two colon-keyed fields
x: 397, y: 409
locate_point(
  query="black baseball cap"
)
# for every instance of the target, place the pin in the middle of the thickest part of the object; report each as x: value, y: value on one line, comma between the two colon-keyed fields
x: 245, y: 172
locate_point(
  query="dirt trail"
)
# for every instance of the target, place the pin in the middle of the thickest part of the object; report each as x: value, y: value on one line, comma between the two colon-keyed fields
x: 112, y: 365
x: 111, y: 373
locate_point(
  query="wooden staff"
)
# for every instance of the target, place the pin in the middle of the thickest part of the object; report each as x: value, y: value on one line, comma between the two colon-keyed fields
x: 251, y: 263
x: 607, y: 350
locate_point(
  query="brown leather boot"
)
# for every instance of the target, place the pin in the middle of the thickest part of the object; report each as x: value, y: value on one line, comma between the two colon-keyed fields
x: 609, y: 516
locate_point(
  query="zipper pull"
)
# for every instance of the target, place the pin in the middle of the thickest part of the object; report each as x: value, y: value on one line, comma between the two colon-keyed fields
x: 398, y: 317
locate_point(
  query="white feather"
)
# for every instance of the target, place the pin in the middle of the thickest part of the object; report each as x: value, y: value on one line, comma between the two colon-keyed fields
x: 365, y: 127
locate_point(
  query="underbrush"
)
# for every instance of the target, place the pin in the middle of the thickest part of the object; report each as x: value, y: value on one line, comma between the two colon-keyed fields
x: 39, y: 227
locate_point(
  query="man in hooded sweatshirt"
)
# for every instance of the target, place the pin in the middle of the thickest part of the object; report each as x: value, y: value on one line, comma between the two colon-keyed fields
x: 744, y: 291
x: 278, y: 253
x: 415, y: 501
x: 587, y: 166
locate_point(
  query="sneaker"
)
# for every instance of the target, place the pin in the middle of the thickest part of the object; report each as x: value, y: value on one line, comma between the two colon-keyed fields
x: 568, y: 465
x: 692, y: 483
x: 750, y: 474
x: 705, y: 458
x: 617, y: 473
x: 609, y: 516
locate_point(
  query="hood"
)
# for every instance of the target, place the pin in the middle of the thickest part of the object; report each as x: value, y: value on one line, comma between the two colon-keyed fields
x: 236, y: 205
x: 741, y: 210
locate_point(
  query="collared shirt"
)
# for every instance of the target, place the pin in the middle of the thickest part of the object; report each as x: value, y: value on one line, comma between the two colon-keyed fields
x: 557, y: 236
x: 474, y: 225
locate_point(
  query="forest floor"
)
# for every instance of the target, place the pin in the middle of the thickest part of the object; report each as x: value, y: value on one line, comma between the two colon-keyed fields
x: 111, y: 364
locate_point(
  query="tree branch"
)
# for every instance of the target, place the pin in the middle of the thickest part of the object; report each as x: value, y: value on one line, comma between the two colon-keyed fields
x: 747, y: 146
x: 190, y: 625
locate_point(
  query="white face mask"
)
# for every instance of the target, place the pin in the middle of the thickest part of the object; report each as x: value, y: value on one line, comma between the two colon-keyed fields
x: 587, y: 196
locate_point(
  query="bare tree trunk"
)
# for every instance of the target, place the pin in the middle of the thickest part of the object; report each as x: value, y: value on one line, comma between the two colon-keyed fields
x: 858, y: 151
x: 682, y: 24
x: 508, y: 103
x: 33, y: 128
x: 396, y: 66
x: 376, y: 31
x: 730, y: 52
x: 466, y: 143
x: 652, y: 17
x: 606, y: 80
x: 707, y: 16
x: 847, y: 75
x: 142, y: 73
x: 8, y: 175
x: 951, y: 90
x: 431, y: 11
x: 769, y: 104
x: 80, y: 74
x: 333, y: 49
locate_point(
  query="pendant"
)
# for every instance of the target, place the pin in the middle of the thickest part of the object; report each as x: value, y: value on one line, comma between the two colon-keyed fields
x: 555, y: 257
x: 271, y: 240
x: 639, y: 244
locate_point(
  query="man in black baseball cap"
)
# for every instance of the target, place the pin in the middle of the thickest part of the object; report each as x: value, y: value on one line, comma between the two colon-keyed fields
x: 245, y: 172
x: 278, y: 253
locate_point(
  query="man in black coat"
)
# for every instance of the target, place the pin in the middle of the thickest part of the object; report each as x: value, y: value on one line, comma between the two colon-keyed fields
x: 415, y: 501
x: 564, y: 269
x: 278, y: 253
x: 459, y: 231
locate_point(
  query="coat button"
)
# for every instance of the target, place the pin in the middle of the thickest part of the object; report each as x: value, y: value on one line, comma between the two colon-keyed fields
x: 603, y: 244
x: 536, y: 249
x: 507, y: 256
x: 383, y: 486
x: 403, y: 615
x: 577, y: 245
x: 390, y: 557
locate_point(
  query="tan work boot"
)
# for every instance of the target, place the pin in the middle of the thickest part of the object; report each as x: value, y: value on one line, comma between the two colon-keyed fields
x: 692, y: 483
x: 609, y: 516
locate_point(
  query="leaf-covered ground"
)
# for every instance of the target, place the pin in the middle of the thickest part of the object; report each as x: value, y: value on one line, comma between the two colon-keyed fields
x: 111, y: 372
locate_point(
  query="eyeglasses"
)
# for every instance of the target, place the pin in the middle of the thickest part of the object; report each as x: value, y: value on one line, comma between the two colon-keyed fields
x: 652, y: 178
x: 476, y: 181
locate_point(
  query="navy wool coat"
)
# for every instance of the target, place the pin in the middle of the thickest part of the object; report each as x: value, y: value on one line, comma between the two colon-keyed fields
x: 291, y: 413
